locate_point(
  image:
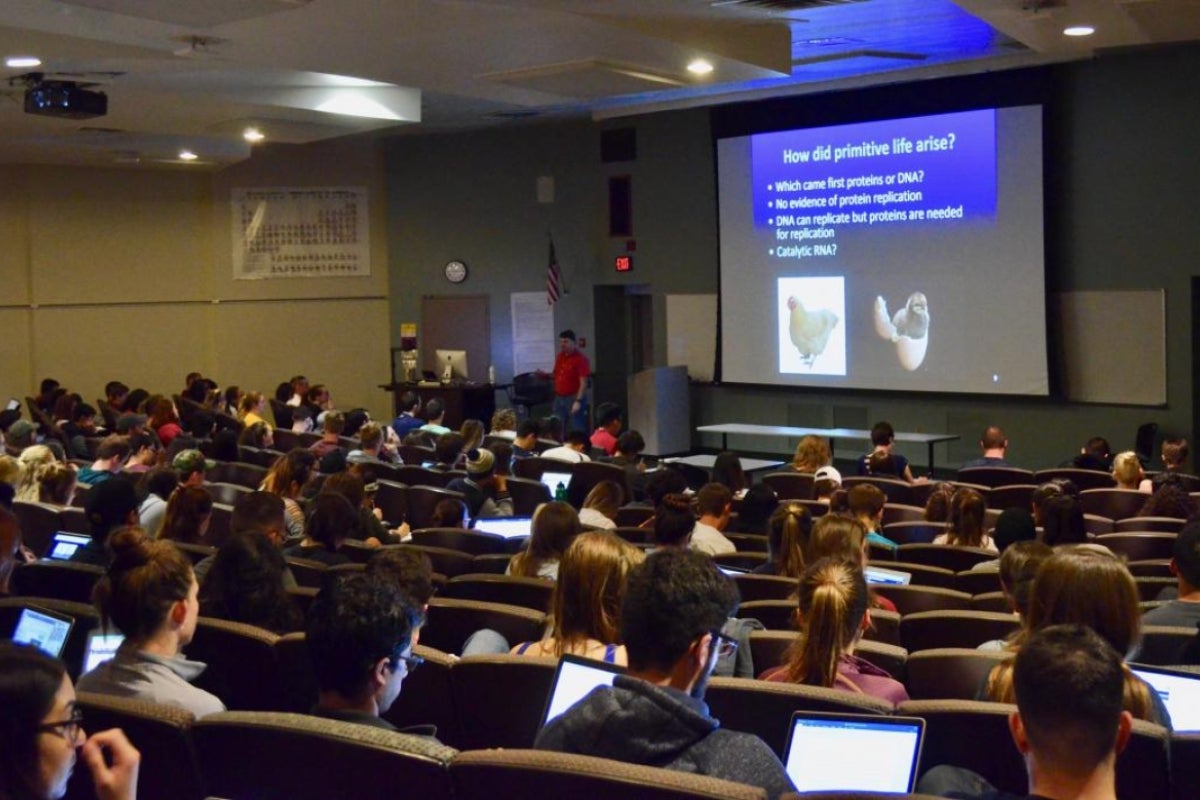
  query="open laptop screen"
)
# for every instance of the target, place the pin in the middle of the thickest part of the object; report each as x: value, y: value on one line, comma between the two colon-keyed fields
x: 44, y: 629
x: 508, y: 527
x: 891, y: 576
x: 100, y: 648
x: 552, y: 479
x: 64, y: 544
x: 1180, y: 693
x: 574, y: 678
x: 825, y: 752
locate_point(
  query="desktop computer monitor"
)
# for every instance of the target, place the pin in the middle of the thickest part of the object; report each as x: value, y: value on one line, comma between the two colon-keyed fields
x: 455, y: 361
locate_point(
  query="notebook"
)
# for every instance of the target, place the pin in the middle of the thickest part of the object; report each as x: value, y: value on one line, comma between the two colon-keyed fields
x: 100, y: 648
x: 551, y: 480
x: 891, y: 576
x: 64, y: 544
x: 574, y: 678
x: 44, y: 629
x: 508, y: 527
x: 826, y: 752
x: 1180, y: 693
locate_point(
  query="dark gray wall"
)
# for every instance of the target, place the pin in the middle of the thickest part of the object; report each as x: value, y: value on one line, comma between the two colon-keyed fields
x: 1122, y: 175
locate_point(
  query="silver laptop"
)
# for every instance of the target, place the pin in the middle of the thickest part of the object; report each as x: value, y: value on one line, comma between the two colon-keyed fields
x: 825, y: 752
x: 890, y: 576
x: 574, y: 678
x: 1180, y: 693
x: 64, y: 544
x: 508, y: 527
x: 101, y: 647
x: 44, y: 629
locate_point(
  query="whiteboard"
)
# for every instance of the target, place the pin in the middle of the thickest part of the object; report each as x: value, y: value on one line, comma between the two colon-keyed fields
x: 1114, y: 346
x: 692, y: 333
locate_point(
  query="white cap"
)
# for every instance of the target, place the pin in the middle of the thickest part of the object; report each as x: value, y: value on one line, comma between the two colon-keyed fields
x: 828, y: 474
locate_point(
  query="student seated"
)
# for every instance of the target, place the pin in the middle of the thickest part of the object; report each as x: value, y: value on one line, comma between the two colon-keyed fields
x: 967, y: 513
x: 832, y: 615
x: 787, y: 541
x: 42, y: 734
x: 675, y: 604
x: 331, y: 521
x: 555, y: 525
x: 245, y: 584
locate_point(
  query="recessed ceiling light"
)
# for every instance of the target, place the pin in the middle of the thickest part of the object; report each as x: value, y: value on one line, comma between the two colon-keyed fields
x: 1079, y: 30
x: 22, y: 62
x: 187, y: 155
x: 700, y: 67
x: 253, y: 135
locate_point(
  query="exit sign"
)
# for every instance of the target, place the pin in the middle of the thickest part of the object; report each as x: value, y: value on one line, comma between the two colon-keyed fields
x: 623, y: 263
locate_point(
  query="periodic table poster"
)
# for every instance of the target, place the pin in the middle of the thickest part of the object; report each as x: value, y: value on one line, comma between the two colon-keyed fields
x: 311, y: 232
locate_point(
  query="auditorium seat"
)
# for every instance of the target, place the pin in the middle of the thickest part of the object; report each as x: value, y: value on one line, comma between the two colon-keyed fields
x: 227, y: 493
x: 1112, y: 503
x: 635, y: 535
x: 971, y: 734
x: 923, y: 574
x: 1139, y: 546
x: 196, y: 552
x: 912, y: 599
x: 742, y: 560
x: 630, y: 516
x: 977, y: 581
x: 243, y: 668
x: 306, y: 571
x: 913, y: 531
x: 775, y: 615
x: 415, y: 455
x: 884, y: 627
x: 447, y: 562
x: 526, y: 682
x: 996, y: 602
x: 64, y: 580
x: 422, y: 500
x: 897, y: 491
x: 357, y: 551
x: 220, y: 524
x: 790, y: 485
x: 933, y: 629
x: 426, y: 698
x: 1097, y: 525
x: 765, y: 708
x: 1163, y: 645
x: 161, y: 734
x: 899, y: 512
x: 764, y: 587
x: 74, y: 519
x: 533, y: 467
x: 249, y: 475
x: 1082, y: 478
x: 533, y: 593
x: 748, y: 542
x: 890, y: 658
x: 1185, y: 765
x: 278, y: 756
x: 950, y: 673
x: 39, y: 522
x: 1150, y: 568
x: 1012, y: 496
x: 1148, y: 525
x: 1152, y: 588
x: 993, y: 477
x: 951, y: 557
x: 474, y: 543
x: 392, y: 500
x: 527, y: 495
x: 492, y: 774
x: 449, y: 622
x: 490, y: 564
x: 413, y: 474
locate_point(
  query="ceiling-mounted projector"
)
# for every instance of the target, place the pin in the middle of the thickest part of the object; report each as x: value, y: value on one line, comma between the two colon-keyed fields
x: 65, y: 99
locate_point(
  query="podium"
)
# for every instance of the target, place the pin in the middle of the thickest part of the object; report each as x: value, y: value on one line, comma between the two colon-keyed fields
x: 660, y: 409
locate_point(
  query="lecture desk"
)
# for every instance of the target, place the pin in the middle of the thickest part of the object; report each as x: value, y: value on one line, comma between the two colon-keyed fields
x: 744, y: 429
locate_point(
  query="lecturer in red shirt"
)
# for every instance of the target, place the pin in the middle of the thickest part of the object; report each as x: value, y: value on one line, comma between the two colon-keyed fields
x: 571, y: 373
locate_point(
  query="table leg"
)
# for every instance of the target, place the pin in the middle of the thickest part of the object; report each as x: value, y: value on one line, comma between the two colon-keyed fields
x: 931, y: 459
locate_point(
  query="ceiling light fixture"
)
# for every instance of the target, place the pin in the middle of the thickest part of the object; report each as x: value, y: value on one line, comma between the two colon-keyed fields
x: 352, y: 104
x: 187, y: 155
x: 253, y: 135
x: 700, y: 67
x: 1079, y: 30
x: 22, y: 62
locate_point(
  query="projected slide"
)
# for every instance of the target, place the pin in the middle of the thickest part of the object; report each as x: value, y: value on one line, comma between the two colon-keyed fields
x: 905, y: 254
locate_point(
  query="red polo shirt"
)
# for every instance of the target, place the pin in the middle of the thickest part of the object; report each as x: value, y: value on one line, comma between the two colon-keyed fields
x: 570, y: 370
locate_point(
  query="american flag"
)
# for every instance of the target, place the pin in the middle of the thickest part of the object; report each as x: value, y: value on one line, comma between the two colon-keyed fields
x: 554, y: 284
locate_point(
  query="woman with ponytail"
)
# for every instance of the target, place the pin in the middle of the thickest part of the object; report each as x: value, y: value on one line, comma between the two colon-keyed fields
x: 967, y: 511
x: 150, y: 594
x: 832, y: 614
x: 787, y: 540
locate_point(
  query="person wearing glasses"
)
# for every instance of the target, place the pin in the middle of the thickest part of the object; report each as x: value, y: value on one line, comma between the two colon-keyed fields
x: 360, y: 635
x: 675, y: 604
x: 42, y: 735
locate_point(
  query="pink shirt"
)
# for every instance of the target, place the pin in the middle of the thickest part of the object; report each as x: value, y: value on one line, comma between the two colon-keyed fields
x: 604, y: 441
x: 866, y: 676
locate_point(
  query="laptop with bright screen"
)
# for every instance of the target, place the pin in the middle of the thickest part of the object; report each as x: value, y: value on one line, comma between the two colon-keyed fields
x: 508, y: 527
x: 825, y: 752
x: 44, y: 629
x: 551, y: 480
x: 1180, y: 693
x: 100, y: 648
x: 891, y: 576
x: 64, y: 544
x: 574, y: 678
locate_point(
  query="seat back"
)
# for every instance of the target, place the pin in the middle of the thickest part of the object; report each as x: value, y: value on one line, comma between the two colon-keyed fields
x: 775, y: 615
x: 39, y: 522
x: 1018, y: 495
x: 196, y: 552
x: 913, y: 531
x: 899, y: 512
x: 531, y: 468
x: 1148, y: 525
x: 490, y: 564
x: 422, y: 500
x: 747, y: 542
x: 971, y: 734
x: 527, y: 495
x: 912, y: 599
x: 513, y: 723
x: 884, y: 627
x: 532, y: 593
x: 951, y: 673
x: 1139, y: 546
x: 994, y: 476
x: 449, y: 622
x: 489, y: 774
x: 161, y: 735
x: 769, y: 648
x: 392, y: 500
x: 1112, y: 503
x: 306, y: 571
x: 426, y: 698
x: 977, y: 581
x: 764, y: 708
x: 951, y: 557
x: 632, y: 516
x: 236, y: 472
x: 890, y: 658
x: 923, y: 574
x: 278, y: 756
x: 1082, y: 478
x: 74, y: 519
x: 897, y: 491
x: 1163, y: 645
x: 587, y: 474
x: 227, y: 493
x: 764, y: 587
x: 791, y: 485
x: 243, y: 669
x: 475, y: 543
x: 932, y: 629
x: 742, y: 560
x: 446, y: 561
x: 997, y: 602
x: 64, y: 580
x: 1185, y: 765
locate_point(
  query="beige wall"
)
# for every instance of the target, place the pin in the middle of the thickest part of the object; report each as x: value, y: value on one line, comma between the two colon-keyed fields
x: 127, y: 274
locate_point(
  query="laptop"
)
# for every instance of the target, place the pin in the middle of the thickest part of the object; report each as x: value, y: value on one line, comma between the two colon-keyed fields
x: 44, y: 629
x: 574, y: 678
x: 101, y: 647
x: 825, y: 752
x: 732, y: 571
x: 1180, y: 693
x: 64, y: 544
x: 890, y: 576
x: 551, y: 480
x: 508, y: 527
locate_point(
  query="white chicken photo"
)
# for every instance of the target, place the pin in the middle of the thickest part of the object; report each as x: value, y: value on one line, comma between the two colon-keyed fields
x: 812, y: 335
x: 908, y: 329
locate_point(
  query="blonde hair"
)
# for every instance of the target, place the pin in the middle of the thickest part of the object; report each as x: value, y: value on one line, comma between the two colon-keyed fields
x: 788, y: 536
x: 10, y: 471
x: 56, y: 484
x: 591, y: 585
x: 812, y: 453
x: 833, y: 603
x: 605, y: 497
x: 1127, y: 469
x: 33, y: 462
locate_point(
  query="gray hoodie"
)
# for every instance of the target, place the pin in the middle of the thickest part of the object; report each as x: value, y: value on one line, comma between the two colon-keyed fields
x: 639, y: 723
